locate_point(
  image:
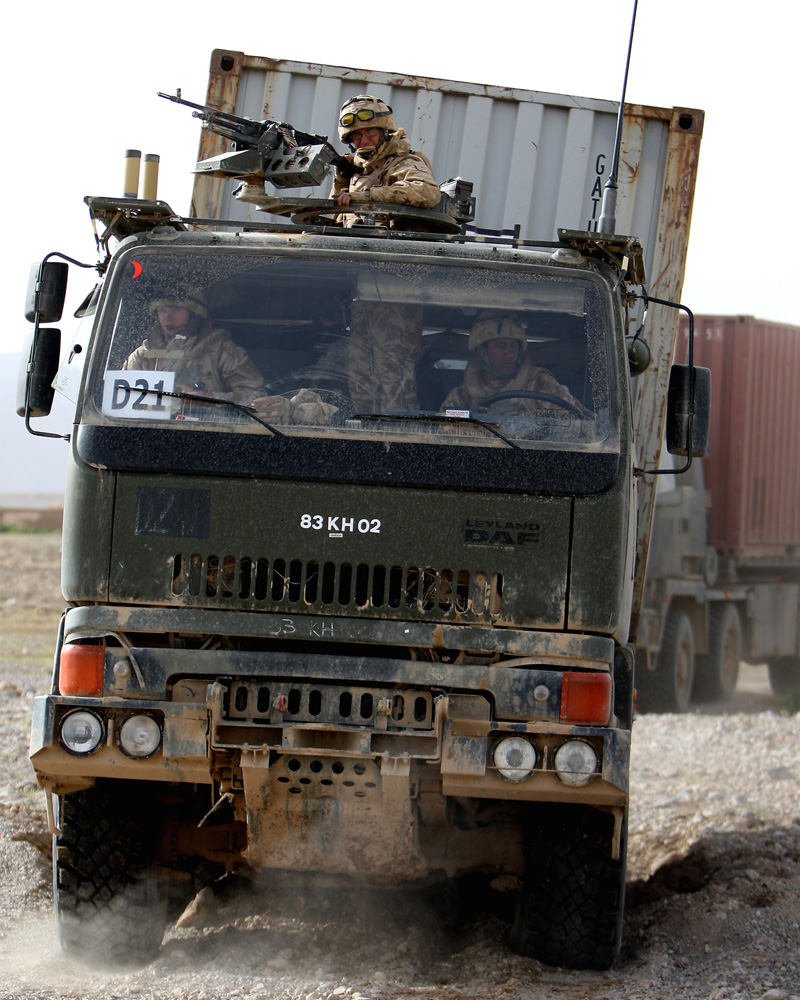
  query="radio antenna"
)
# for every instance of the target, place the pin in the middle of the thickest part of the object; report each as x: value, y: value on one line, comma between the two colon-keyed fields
x: 608, y: 209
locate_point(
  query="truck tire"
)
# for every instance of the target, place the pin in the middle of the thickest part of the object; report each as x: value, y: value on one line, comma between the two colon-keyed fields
x: 668, y: 688
x: 717, y: 672
x: 110, y: 907
x: 569, y: 911
x: 784, y: 675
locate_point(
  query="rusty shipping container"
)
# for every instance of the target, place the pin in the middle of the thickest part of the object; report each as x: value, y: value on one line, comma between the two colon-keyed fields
x: 538, y: 160
x: 752, y: 472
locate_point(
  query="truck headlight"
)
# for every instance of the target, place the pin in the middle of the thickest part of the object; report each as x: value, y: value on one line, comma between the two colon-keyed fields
x: 515, y: 758
x: 575, y: 762
x: 139, y: 736
x: 81, y: 732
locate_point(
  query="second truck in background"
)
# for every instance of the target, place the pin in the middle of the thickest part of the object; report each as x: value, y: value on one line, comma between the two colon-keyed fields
x: 723, y: 576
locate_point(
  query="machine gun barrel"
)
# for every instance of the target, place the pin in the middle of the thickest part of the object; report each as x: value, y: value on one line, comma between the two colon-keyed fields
x: 247, y: 132
x: 208, y: 114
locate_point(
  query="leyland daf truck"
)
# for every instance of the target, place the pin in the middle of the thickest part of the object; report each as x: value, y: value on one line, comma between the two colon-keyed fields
x: 723, y: 573
x: 389, y: 645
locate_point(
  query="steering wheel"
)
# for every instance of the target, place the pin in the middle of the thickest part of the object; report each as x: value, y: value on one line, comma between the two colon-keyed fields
x: 546, y: 397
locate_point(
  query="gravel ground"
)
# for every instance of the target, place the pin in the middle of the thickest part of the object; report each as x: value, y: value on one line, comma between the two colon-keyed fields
x: 713, y: 877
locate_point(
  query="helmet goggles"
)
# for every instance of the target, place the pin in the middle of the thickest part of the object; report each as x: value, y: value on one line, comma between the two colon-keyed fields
x: 361, y: 115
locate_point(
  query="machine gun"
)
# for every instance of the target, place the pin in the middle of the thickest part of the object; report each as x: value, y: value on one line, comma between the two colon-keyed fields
x: 285, y: 156
x: 265, y: 150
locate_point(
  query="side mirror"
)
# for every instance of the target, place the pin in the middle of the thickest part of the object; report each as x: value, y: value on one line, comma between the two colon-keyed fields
x: 48, y: 282
x: 37, y: 369
x: 639, y: 357
x: 688, y: 410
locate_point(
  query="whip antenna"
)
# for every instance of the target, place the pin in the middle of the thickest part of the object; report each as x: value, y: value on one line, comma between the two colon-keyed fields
x: 608, y: 209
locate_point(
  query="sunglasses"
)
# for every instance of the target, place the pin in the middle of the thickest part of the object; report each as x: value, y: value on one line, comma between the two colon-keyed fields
x: 362, y: 115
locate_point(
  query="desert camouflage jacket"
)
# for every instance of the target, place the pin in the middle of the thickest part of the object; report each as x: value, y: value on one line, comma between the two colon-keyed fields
x: 397, y: 175
x: 209, y: 363
x: 479, y: 384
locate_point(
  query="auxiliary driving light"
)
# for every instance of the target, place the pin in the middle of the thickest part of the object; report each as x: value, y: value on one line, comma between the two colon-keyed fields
x: 515, y: 758
x: 81, y: 733
x: 575, y: 762
x: 140, y: 736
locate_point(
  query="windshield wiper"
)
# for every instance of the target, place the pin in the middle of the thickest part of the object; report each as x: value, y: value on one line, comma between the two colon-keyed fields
x: 439, y: 418
x: 253, y: 414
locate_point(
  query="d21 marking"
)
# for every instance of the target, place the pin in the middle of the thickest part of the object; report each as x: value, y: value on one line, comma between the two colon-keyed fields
x: 138, y: 394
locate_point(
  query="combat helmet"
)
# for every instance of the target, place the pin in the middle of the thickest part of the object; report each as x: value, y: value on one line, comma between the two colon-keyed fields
x: 495, y: 326
x: 365, y: 111
x: 181, y: 296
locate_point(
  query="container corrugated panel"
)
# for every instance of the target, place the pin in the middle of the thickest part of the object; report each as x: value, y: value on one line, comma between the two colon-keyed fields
x: 752, y: 470
x: 537, y: 160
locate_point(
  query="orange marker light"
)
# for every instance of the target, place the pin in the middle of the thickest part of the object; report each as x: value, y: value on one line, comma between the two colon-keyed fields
x: 586, y: 698
x: 81, y: 670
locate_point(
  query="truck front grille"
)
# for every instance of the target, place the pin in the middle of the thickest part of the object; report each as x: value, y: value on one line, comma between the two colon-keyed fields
x: 278, y: 583
x: 261, y: 714
x: 265, y: 700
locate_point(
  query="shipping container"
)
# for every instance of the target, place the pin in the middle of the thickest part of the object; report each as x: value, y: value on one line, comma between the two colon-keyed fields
x: 538, y: 160
x: 752, y: 471
x: 723, y: 575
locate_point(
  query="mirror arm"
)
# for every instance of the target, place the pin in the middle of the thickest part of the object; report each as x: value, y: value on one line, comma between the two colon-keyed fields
x: 35, y: 341
x: 692, y: 378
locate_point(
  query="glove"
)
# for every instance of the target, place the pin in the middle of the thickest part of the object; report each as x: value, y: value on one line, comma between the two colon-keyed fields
x: 308, y: 408
x: 273, y: 409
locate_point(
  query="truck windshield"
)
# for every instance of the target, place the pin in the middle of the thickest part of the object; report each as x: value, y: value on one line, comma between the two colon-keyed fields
x: 313, y: 346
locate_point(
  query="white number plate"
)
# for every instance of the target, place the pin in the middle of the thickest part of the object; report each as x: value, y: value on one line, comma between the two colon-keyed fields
x: 138, y: 394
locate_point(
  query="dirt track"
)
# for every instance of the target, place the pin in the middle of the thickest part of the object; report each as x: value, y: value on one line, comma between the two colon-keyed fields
x: 713, y: 887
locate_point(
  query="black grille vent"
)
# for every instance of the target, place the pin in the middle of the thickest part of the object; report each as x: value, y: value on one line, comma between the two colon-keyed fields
x: 332, y: 586
x: 259, y: 700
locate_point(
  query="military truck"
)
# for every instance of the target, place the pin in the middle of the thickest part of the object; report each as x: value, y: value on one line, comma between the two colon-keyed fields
x: 723, y: 576
x: 390, y: 647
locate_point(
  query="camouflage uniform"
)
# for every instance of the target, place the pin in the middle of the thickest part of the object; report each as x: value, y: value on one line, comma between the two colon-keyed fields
x: 383, y: 345
x: 384, y: 337
x: 208, y: 362
x: 482, y: 381
x: 478, y: 384
x: 396, y: 175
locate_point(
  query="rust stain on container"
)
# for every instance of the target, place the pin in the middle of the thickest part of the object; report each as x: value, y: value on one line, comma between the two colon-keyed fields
x: 223, y: 89
x: 665, y: 282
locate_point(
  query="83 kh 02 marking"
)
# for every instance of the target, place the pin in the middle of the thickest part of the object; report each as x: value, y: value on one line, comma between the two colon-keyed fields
x: 337, y: 525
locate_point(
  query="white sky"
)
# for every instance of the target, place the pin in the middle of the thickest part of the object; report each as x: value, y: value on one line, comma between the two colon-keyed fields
x: 82, y: 80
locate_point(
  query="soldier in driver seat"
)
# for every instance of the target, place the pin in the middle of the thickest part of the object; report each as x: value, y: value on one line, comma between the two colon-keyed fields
x: 501, y: 363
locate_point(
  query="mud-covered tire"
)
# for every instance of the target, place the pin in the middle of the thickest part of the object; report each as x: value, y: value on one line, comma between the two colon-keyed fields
x: 110, y: 907
x: 717, y: 672
x: 570, y: 909
x: 784, y: 676
x: 668, y: 688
